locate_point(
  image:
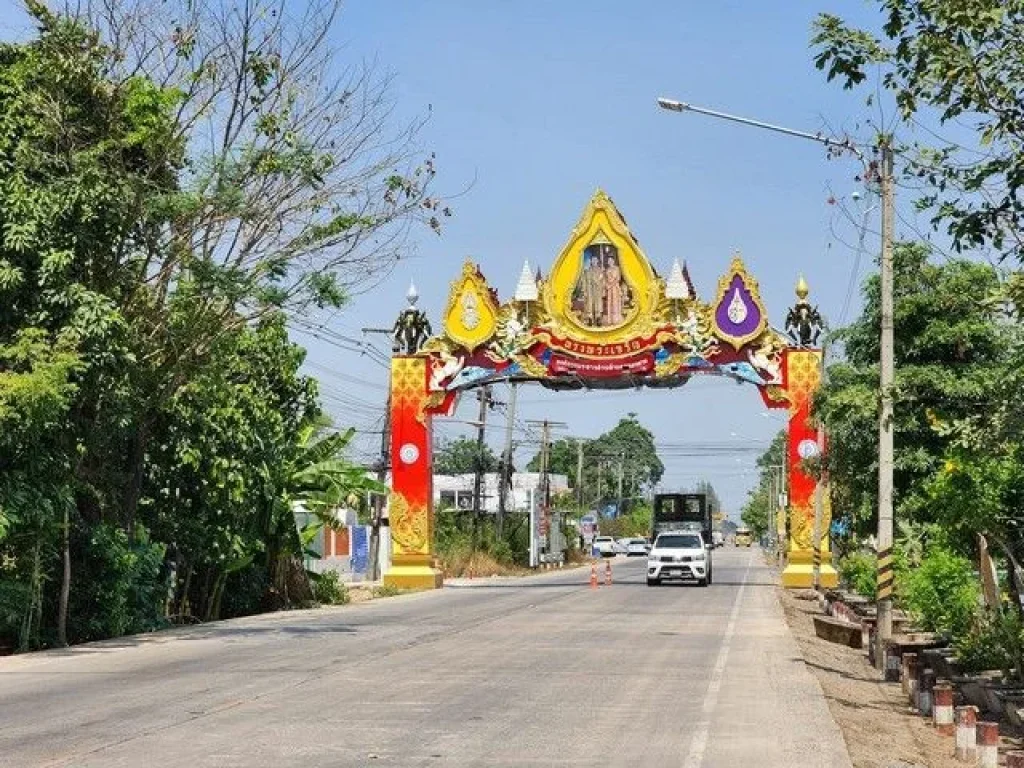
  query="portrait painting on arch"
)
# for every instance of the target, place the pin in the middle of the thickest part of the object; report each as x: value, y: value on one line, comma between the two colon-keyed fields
x: 601, y: 297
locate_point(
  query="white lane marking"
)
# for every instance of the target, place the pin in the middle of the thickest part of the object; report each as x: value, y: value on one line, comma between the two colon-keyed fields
x: 699, y: 742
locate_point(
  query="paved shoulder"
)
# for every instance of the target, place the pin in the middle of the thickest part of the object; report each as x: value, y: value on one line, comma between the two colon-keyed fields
x: 762, y: 702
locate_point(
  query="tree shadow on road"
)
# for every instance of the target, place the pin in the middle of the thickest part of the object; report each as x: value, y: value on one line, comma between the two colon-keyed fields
x: 198, y: 632
x: 837, y: 671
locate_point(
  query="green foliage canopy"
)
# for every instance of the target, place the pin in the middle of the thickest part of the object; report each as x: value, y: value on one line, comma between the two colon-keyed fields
x: 462, y: 456
x: 156, y: 436
x: 955, y: 63
x: 629, y: 445
x: 761, y: 506
x: 949, y: 353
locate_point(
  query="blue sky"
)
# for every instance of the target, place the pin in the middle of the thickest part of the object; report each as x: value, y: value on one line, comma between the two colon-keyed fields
x: 534, y: 105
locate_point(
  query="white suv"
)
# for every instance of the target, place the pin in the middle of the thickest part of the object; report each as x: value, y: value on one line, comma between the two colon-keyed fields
x: 679, y: 555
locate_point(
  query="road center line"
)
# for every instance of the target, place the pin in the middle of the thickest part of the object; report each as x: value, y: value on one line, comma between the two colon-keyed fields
x: 699, y: 742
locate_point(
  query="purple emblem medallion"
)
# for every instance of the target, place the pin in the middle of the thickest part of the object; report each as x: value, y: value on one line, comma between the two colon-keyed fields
x: 737, y: 314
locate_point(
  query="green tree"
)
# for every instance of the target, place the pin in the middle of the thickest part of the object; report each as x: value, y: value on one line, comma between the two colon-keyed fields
x: 949, y: 351
x: 175, y: 175
x: 951, y: 62
x: 83, y: 161
x: 627, y: 449
x: 463, y: 456
x: 759, y: 511
x: 563, y: 458
x: 979, y: 488
x: 242, y: 449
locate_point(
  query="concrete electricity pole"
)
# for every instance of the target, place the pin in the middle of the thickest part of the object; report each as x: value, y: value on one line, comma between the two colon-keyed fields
x: 622, y: 459
x: 579, y: 475
x: 506, y: 459
x: 885, y: 412
x: 819, y: 489
x: 886, y: 361
x: 484, y: 396
x: 545, y: 468
x: 545, y: 482
x: 383, y: 465
x: 819, y: 513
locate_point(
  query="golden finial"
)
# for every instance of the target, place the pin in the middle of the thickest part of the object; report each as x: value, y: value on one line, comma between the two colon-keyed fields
x: 802, y: 289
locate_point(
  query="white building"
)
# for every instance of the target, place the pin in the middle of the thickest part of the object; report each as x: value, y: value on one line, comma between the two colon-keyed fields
x: 457, y: 490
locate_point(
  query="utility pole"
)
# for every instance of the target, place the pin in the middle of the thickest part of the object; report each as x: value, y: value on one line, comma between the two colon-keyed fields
x: 773, y: 512
x: 545, y: 484
x: 819, y: 504
x: 780, y: 512
x: 484, y: 396
x: 819, y: 492
x: 545, y: 458
x: 885, y: 412
x: 622, y: 459
x: 886, y: 361
x: 506, y: 460
x: 579, y: 475
x: 383, y: 464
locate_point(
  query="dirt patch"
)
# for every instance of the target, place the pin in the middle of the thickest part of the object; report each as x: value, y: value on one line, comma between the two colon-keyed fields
x: 472, y: 565
x: 360, y: 593
x: 880, y: 727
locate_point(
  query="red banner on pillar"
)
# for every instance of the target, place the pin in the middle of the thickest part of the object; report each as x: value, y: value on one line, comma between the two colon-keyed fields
x: 411, y: 474
x: 801, y: 378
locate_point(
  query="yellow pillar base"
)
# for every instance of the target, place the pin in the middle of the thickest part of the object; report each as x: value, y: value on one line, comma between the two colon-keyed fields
x: 799, y: 572
x: 414, y: 577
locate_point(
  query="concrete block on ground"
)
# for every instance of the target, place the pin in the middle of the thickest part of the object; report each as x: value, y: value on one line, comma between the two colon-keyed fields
x: 838, y: 631
x: 942, y: 708
x: 987, y: 740
x: 966, y: 734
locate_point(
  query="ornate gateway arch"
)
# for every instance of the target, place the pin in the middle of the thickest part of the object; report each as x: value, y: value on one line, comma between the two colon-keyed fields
x: 602, y: 318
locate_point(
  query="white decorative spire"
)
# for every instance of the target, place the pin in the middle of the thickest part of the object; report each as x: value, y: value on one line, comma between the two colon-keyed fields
x: 526, y: 288
x: 678, y: 286
x: 412, y: 295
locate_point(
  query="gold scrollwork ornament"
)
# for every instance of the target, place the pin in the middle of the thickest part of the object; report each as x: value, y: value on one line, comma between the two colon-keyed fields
x: 408, y: 526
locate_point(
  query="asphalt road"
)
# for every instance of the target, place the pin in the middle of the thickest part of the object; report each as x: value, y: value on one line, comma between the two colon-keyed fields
x: 533, y: 672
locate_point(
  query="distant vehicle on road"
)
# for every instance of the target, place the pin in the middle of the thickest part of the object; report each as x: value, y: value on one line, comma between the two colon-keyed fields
x: 635, y: 547
x: 744, y: 537
x: 605, y: 545
x: 679, y: 555
x: 681, y: 511
x: 717, y: 539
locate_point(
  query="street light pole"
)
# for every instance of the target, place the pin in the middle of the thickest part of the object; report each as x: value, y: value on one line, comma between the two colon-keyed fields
x: 683, y: 106
x: 886, y: 362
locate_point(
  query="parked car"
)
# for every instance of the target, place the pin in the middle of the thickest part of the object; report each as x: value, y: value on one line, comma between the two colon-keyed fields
x: 679, y: 555
x: 636, y: 547
x: 605, y: 545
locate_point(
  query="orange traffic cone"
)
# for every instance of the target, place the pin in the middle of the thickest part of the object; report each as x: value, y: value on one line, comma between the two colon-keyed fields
x: 593, y: 575
x: 608, y: 573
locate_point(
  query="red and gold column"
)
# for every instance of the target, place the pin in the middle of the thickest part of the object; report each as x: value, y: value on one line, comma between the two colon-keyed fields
x: 801, y: 378
x: 410, y: 510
